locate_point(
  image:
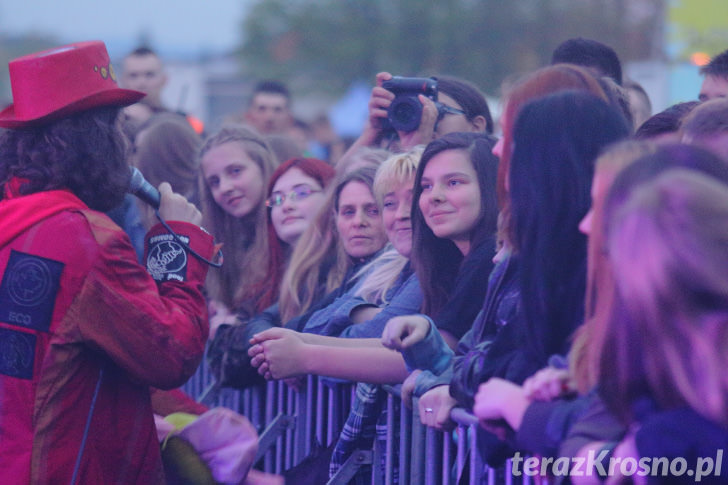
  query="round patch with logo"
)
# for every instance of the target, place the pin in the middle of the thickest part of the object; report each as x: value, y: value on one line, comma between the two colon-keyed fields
x: 29, y: 282
x: 18, y: 353
x: 28, y: 290
x: 167, y: 258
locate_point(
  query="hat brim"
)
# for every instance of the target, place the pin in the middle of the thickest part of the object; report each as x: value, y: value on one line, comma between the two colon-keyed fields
x: 110, y: 97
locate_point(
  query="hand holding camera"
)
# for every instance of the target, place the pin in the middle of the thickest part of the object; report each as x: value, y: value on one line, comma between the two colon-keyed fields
x: 406, y: 109
x: 401, y: 107
x: 407, y: 106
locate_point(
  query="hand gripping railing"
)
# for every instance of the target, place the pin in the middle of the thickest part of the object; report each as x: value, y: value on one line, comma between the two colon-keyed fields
x: 290, y: 422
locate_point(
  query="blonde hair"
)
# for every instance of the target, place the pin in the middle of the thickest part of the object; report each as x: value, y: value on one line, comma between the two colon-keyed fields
x: 382, y: 273
x: 318, y: 256
x: 396, y: 170
x: 584, y: 354
x: 238, y: 283
x: 310, y: 260
x: 668, y: 332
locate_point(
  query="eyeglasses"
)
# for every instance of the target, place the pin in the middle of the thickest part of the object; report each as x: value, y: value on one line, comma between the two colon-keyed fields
x: 443, y: 109
x: 299, y: 192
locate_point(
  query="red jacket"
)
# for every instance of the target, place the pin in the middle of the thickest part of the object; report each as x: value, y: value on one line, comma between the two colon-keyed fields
x: 84, y: 332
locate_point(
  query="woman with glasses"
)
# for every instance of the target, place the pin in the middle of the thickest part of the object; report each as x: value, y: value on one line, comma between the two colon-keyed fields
x: 450, y: 242
x: 236, y: 165
x: 346, y: 233
x: 295, y: 197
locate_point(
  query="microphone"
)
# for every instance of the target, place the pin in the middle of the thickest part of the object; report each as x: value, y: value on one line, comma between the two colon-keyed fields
x: 139, y: 186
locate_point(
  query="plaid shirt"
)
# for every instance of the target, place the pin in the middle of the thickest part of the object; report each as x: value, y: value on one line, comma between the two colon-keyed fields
x: 367, y: 421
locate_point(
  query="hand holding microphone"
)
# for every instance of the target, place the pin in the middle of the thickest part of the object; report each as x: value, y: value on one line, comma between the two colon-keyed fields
x: 139, y: 186
x: 174, y: 207
x: 171, y: 206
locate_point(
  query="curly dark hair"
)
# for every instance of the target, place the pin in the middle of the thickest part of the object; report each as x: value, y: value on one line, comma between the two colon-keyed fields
x: 85, y: 153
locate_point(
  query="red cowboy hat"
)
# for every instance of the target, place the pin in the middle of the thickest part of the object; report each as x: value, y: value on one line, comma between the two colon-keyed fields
x: 57, y: 82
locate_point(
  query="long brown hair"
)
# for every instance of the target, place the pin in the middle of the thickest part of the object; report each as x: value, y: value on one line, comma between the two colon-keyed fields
x: 588, y: 338
x: 318, y: 170
x: 668, y: 330
x: 244, y: 239
x: 166, y: 151
x: 436, y: 260
x: 318, y: 257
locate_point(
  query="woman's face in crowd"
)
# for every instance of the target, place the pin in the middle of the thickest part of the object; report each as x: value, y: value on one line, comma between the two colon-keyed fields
x: 498, y: 147
x: 600, y: 187
x: 452, y: 122
x: 450, y: 200
x: 359, y: 222
x: 234, y: 179
x: 396, y: 209
x: 301, y: 197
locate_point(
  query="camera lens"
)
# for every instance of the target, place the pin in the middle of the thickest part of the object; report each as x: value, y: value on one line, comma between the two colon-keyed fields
x: 405, y: 113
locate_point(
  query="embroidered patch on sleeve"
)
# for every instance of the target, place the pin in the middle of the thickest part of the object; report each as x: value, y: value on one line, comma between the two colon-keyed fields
x: 18, y: 353
x: 28, y: 290
x: 167, y: 259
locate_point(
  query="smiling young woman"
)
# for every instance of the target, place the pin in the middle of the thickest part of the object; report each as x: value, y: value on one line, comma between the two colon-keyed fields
x: 235, y: 166
x: 450, y: 199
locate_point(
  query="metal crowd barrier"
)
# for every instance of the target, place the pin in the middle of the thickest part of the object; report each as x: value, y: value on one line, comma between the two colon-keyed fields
x: 291, y: 423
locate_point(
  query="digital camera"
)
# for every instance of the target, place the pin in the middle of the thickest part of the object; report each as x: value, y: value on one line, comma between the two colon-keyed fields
x: 405, y: 112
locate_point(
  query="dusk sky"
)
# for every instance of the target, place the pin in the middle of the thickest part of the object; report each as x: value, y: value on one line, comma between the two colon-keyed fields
x: 175, y: 27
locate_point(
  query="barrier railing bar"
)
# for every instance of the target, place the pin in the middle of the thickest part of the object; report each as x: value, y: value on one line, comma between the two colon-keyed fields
x: 309, y: 416
x: 405, y: 439
x: 389, y: 464
x: 418, y: 446
x: 273, y: 432
x: 351, y: 466
x: 296, y: 418
x: 281, y: 399
x: 462, y: 448
x: 303, y: 425
x: 320, y: 413
x: 270, y: 395
x: 446, y: 460
x: 289, y: 432
x: 331, y: 415
x: 379, y: 454
x: 431, y: 451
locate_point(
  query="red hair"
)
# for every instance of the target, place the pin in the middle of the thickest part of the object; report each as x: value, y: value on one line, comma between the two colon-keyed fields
x: 544, y: 81
x: 318, y: 170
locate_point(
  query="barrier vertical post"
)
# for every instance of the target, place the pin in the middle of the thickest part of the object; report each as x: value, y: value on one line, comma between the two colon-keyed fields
x: 417, y: 468
x: 270, y: 401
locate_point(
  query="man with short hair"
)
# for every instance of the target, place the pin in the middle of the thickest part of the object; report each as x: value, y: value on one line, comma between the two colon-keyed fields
x: 143, y: 71
x: 599, y: 58
x: 715, y: 84
x: 707, y: 127
x: 269, y: 110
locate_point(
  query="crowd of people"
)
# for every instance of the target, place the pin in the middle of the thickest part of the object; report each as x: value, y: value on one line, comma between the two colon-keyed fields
x: 563, y: 281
